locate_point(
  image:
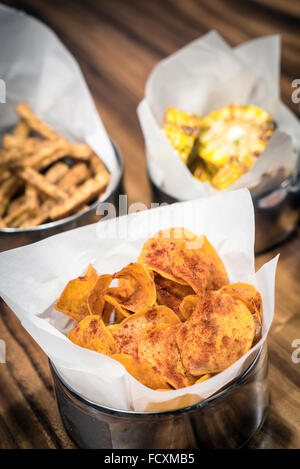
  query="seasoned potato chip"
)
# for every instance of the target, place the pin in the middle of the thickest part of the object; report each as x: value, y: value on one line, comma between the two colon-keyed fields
x: 142, y: 371
x: 249, y: 294
x: 136, y: 289
x: 121, y: 312
x: 129, y: 332
x: 201, y: 267
x: 92, y: 333
x: 218, y: 333
x: 73, y: 300
x: 107, y: 312
x: 252, y: 299
x: 96, y: 299
x: 188, y: 305
x: 156, y: 251
x: 203, y: 378
x: 160, y: 350
x: 170, y: 293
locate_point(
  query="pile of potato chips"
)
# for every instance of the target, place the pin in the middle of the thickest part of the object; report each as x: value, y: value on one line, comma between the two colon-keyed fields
x: 172, y: 319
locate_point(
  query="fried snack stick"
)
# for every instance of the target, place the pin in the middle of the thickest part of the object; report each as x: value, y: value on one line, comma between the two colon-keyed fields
x: 57, y: 172
x: 50, y: 151
x: 68, y: 182
x: 97, y: 165
x: 15, y: 210
x: 31, y: 145
x: 20, y: 133
x: 9, y: 158
x: 28, y: 204
x: 81, y: 151
x: 40, y: 182
x: 35, y: 123
x: 17, y: 222
x: 7, y: 190
x: 46, y: 153
x: 75, y: 176
x: 84, y: 194
x: 15, y: 204
x: 4, y: 176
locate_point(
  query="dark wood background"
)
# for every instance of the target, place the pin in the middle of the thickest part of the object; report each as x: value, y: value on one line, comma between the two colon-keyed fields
x: 117, y: 43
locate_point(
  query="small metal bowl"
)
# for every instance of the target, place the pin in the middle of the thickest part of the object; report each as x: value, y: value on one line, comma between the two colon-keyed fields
x: 228, y: 419
x: 277, y: 211
x: 14, y: 237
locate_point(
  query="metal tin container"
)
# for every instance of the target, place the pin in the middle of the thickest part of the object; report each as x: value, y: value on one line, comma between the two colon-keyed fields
x: 14, y: 237
x: 228, y: 419
x: 277, y: 212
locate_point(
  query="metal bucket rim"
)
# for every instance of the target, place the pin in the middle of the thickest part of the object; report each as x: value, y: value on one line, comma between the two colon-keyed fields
x: 76, y: 216
x: 134, y: 414
x: 287, y: 182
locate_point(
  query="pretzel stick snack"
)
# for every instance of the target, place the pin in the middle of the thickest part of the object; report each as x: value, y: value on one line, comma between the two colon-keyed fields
x: 17, y: 222
x: 9, y: 158
x: 15, y: 204
x: 27, y: 204
x: 35, y: 123
x: 57, y: 172
x: 41, y: 183
x: 7, y: 190
x: 81, y: 151
x: 4, y: 175
x: 84, y: 194
x: 68, y: 183
x: 97, y: 165
x: 18, y: 136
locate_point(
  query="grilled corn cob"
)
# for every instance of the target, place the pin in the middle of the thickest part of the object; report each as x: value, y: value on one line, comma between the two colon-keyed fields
x: 234, y: 132
x: 228, y: 141
x: 181, y: 129
x: 188, y: 123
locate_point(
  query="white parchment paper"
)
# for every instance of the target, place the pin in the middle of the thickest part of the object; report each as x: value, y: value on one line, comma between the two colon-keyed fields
x: 32, y: 278
x: 37, y: 68
x: 204, y: 76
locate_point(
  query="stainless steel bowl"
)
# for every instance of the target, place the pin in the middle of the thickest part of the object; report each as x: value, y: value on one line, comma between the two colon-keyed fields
x: 277, y: 211
x: 228, y: 419
x: 14, y: 237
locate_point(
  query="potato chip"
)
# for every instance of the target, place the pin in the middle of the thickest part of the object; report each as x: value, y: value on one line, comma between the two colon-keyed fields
x: 159, y: 349
x: 202, y: 379
x: 200, y: 266
x: 136, y: 290
x: 188, y: 305
x: 123, y: 291
x: 156, y: 251
x: 252, y: 299
x: 121, y: 312
x: 107, y: 313
x: 142, y: 371
x: 92, y: 333
x: 96, y: 299
x: 170, y: 293
x: 249, y: 294
x: 130, y: 331
x: 218, y: 333
x: 73, y: 300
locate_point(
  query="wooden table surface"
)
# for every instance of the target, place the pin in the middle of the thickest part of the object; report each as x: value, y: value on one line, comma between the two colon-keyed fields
x: 117, y: 43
